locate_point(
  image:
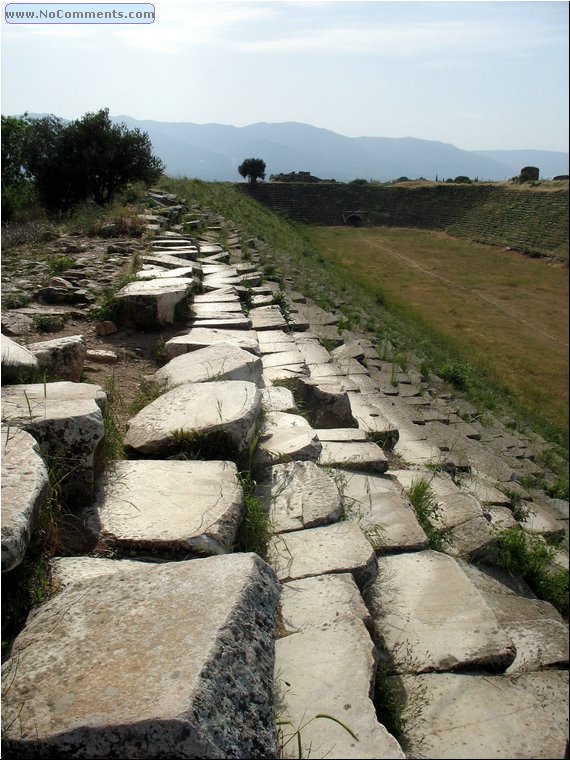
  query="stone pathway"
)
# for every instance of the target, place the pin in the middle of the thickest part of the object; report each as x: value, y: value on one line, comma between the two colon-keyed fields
x: 153, y: 647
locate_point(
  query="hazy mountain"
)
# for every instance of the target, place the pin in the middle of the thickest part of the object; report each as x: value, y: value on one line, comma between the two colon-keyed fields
x: 214, y: 151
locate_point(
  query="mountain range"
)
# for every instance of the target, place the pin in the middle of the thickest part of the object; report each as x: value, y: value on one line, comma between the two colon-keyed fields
x: 214, y: 151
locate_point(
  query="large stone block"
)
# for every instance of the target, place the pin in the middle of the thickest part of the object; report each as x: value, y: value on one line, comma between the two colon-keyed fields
x: 167, y: 507
x: 167, y: 660
x: 286, y: 437
x: 153, y: 303
x: 24, y: 488
x: 223, y: 361
x: 198, y: 412
x: 63, y: 358
x: 18, y: 363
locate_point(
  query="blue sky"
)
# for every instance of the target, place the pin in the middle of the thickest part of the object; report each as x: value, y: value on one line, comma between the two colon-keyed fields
x: 480, y: 75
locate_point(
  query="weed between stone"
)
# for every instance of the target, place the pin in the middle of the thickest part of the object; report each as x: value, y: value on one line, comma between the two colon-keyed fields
x: 424, y: 502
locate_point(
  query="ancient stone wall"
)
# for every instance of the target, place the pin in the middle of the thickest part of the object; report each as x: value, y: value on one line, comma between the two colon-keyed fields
x: 531, y: 221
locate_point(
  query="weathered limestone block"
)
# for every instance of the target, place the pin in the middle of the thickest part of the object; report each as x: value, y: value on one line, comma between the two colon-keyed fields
x: 341, y: 434
x: 24, y: 488
x: 377, y: 505
x: 165, y: 507
x: 63, y: 358
x: 272, y: 340
x: 300, y: 495
x: 430, y: 616
x: 468, y: 716
x: 286, y: 436
x: 312, y: 351
x: 350, y: 350
x: 354, y: 455
x: 208, y: 310
x: 371, y: 416
x: 338, y: 548
x: 200, y: 337
x: 283, y: 359
x: 223, y: 361
x: 65, y: 571
x: 318, y: 601
x: 329, y: 671
x: 223, y: 409
x: 167, y: 260
x: 268, y: 318
x: 67, y: 421
x: 168, y: 659
x: 149, y: 274
x: 232, y: 321
x: 316, y: 316
x: 18, y: 363
x: 276, y: 399
x: 154, y: 303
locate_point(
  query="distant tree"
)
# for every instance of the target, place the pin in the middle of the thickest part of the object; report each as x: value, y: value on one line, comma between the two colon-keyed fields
x: 358, y: 181
x: 529, y: 174
x: 252, y: 168
x: 17, y: 187
x: 90, y: 158
x: 462, y: 179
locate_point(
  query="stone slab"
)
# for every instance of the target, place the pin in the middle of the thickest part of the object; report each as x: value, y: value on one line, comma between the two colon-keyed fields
x: 329, y: 672
x: 223, y: 322
x: 282, y: 359
x: 338, y: 548
x: 225, y: 408
x: 341, y: 434
x: 24, y: 488
x: 377, y: 505
x: 65, y: 571
x: 432, y: 618
x: 277, y: 399
x: 267, y: 318
x: 355, y: 455
x: 299, y: 495
x: 222, y: 361
x: 18, y: 363
x: 327, y: 401
x: 200, y: 337
x: 150, y: 274
x: 63, y: 358
x: 149, y: 304
x: 285, y: 437
x: 140, y: 662
x: 165, y: 507
x: 321, y: 600
x: 472, y: 716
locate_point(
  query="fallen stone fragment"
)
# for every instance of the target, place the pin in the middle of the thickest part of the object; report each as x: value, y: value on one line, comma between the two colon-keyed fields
x: 430, y: 616
x: 338, y: 548
x: 176, y: 655
x: 207, y: 416
x: 24, y: 487
x: 299, y: 495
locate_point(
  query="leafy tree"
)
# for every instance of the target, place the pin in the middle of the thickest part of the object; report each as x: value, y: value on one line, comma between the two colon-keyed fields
x: 90, y: 158
x: 17, y: 188
x: 253, y: 168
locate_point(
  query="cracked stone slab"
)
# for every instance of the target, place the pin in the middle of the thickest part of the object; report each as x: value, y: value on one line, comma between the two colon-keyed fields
x: 300, y: 495
x: 223, y: 361
x: 350, y: 350
x: 225, y: 408
x: 284, y: 437
x: 312, y: 351
x: 377, y: 505
x: 539, y: 644
x: 355, y: 455
x: 329, y: 672
x: 283, y: 359
x: 468, y: 716
x: 200, y: 337
x: 431, y: 617
x: 24, y: 488
x: 321, y: 600
x: 163, y: 507
x: 66, y: 420
x: 152, y: 658
x: 338, y: 548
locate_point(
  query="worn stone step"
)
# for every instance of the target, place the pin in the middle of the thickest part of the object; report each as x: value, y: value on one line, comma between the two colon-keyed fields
x: 430, y: 617
x: 377, y: 505
x: 149, y: 659
x: 284, y: 437
x: 164, y: 508
x: 471, y: 716
x: 267, y: 318
x: 328, y: 672
x: 222, y: 361
x: 201, y: 337
x: 354, y: 455
x: 338, y: 548
x: 223, y: 410
x: 24, y: 488
x: 299, y: 495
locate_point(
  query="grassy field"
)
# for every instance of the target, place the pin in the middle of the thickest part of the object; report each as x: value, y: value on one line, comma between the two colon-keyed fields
x: 505, y: 313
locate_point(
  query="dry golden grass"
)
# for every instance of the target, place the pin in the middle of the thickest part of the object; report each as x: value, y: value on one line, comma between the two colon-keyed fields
x: 508, y: 312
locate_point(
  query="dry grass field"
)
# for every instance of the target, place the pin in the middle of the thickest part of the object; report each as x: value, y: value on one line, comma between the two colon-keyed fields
x: 507, y: 313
